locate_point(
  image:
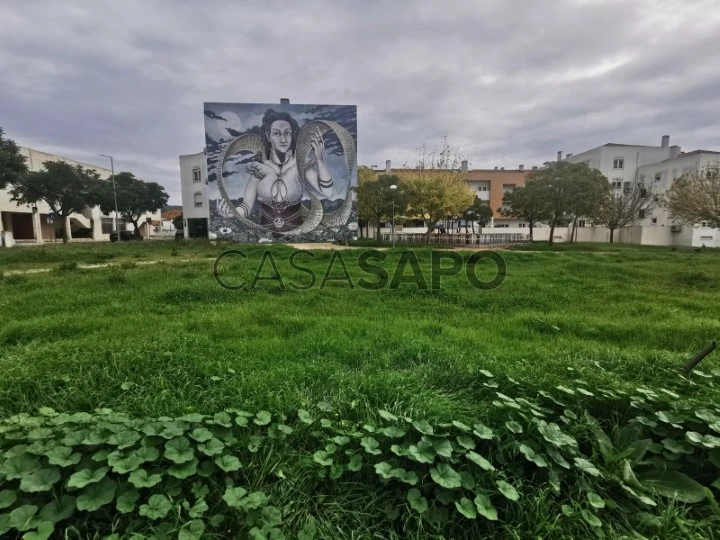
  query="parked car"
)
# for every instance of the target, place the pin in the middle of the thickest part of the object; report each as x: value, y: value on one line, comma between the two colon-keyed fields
x: 125, y: 235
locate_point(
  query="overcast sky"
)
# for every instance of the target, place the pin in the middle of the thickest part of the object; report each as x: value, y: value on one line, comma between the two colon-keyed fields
x: 507, y: 82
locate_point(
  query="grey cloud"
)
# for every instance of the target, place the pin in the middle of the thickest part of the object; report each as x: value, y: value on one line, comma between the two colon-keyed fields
x: 507, y: 82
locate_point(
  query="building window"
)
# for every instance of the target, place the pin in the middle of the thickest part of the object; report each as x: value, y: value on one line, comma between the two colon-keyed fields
x: 712, y: 173
x: 658, y: 177
x: 617, y: 183
x: 656, y: 199
x: 654, y: 221
x: 641, y: 213
x: 626, y: 187
x: 508, y: 187
x: 482, y: 188
x: 107, y: 225
x: 581, y: 223
x: 618, y: 163
x: 198, y: 199
x: 521, y: 225
x: 196, y: 174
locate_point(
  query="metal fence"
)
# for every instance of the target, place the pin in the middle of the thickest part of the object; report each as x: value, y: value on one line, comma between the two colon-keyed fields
x: 458, y: 238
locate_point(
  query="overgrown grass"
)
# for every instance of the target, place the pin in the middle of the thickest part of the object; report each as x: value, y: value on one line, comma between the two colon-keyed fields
x: 165, y: 339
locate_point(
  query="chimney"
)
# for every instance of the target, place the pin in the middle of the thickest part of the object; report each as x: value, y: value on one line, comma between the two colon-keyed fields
x: 674, y: 151
x: 284, y: 101
x: 560, y: 155
x: 521, y: 167
x: 665, y: 141
x: 464, y: 165
x: 387, y: 166
x: 568, y: 156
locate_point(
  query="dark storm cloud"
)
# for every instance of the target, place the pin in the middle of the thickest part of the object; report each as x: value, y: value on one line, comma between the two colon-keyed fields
x: 507, y: 82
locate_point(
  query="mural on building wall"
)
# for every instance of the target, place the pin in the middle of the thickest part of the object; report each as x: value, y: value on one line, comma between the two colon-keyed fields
x: 284, y: 173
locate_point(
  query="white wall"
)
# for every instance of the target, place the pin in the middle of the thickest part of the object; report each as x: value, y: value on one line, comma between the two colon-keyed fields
x: 189, y: 187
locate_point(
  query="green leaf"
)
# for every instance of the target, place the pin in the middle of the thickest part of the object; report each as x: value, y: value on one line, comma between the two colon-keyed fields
x: 370, y: 445
x: 192, y: 530
x: 212, y: 447
x: 466, y: 507
x: 596, y: 501
x: 126, y: 502
x: 507, y: 490
x: 483, y: 432
x: 101, y: 455
x: 324, y: 406
x: 178, y: 450
x: 308, y: 531
x: 142, y: 479
x: 198, y: 509
x: 486, y: 373
x: 97, y: 495
x: 255, y: 500
x: 514, y: 426
x: 22, y: 517
x: 480, y: 461
x: 192, y: 417
x: 465, y: 441
x: 423, y: 427
x: 222, y: 419
x: 321, y: 457
x: 40, y: 480
x: 184, y: 470
x: 409, y: 477
x: 201, y: 434
x: 552, y: 433
x: 7, y: 498
x: 586, y: 466
x: 445, y: 476
x: 467, y: 479
x: 272, y: 516
x: 44, y: 530
x: 708, y: 441
x: 355, y: 463
x: 125, y: 464
x: 124, y: 439
x: 393, y: 432
x: 673, y: 484
x: 485, y: 507
x: 228, y: 463
x: 234, y: 496
x: 63, y: 456
x: 148, y: 454
x: 84, y: 477
x: 422, y: 453
x: 591, y: 519
x: 383, y: 469
x: 263, y: 418
x: 461, y: 426
x: 157, y: 507
x: 19, y: 466
x: 443, y: 448
x: 417, y: 501
x: 127, y: 385
x: 387, y: 415
x: 305, y: 416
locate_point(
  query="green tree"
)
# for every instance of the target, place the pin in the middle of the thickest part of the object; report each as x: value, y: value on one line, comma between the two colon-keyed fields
x: 66, y: 189
x: 694, y: 198
x: 178, y: 222
x: 375, y: 198
x: 526, y: 203
x: 480, y: 211
x: 134, y: 197
x: 12, y: 163
x: 620, y: 208
x: 436, y: 194
x: 567, y: 191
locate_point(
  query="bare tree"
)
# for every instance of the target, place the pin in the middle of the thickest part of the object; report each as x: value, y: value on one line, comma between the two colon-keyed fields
x: 620, y: 208
x: 694, y: 198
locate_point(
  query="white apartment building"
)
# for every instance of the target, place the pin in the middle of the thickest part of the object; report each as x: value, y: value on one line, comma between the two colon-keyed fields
x: 196, y: 207
x: 655, y: 167
x: 36, y: 223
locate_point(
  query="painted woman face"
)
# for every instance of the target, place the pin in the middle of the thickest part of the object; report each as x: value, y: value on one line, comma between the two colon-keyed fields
x: 280, y: 136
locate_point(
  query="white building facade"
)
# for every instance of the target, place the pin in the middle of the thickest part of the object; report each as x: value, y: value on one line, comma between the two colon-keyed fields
x: 36, y: 223
x: 195, y: 202
x: 654, y: 167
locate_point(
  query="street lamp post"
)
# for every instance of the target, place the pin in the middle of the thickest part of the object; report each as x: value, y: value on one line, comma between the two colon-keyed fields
x: 393, y: 188
x: 117, y: 214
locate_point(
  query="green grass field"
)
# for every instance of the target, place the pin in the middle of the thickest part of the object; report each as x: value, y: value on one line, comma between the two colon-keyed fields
x: 153, y: 335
